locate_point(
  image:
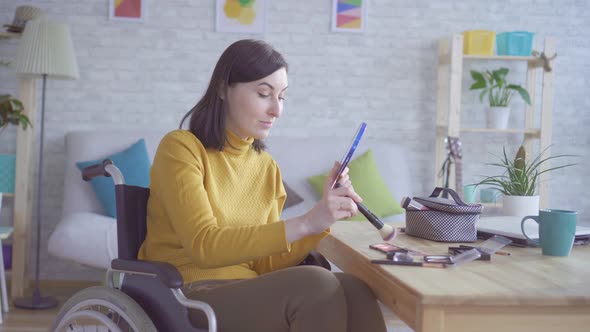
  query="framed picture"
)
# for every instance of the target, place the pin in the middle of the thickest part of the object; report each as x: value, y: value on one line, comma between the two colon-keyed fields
x: 246, y: 16
x: 349, y: 15
x: 128, y: 10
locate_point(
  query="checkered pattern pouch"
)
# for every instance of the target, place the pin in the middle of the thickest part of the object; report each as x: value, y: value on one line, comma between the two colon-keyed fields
x: 444, y: 220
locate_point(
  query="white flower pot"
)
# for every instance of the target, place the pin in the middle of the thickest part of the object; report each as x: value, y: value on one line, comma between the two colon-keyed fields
x: 520, y: 206
x: 497, y: 117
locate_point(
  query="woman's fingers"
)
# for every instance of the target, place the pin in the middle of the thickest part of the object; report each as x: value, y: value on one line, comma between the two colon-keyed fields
x: 344, y: 172
x: 347, y: 190
x: 343, y: 176
x: 343, y: 179
x: 341, y: 200
x: 330, y: 178
x: 333, y: 173
x: 345, y: 183
x: 343, y: 207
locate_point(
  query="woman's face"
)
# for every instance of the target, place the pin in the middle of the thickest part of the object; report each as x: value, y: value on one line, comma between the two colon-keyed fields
x: 254, y: 106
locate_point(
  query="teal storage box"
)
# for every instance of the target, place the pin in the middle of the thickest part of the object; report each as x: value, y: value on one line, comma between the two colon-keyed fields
x: 517, y: 43
x: 7, y: 172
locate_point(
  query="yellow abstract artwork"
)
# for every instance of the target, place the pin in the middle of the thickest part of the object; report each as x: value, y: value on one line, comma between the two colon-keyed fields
x: 241, y: 16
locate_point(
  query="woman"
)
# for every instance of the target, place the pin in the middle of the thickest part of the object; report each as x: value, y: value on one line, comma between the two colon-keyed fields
x: 214, y: 208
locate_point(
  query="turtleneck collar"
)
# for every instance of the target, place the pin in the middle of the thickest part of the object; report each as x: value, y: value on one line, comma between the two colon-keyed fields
x: 237, y: 145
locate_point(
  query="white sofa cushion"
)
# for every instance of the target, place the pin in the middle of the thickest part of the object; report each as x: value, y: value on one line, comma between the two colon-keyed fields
x: 87, y: 238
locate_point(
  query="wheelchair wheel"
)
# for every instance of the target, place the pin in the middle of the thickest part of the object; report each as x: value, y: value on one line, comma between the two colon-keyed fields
x: 102, y: 309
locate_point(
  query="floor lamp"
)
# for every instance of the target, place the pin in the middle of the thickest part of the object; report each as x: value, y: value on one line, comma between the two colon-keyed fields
x: 45, y: 50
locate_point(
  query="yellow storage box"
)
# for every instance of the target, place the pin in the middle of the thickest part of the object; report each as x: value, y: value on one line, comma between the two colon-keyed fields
x: 479, y: 42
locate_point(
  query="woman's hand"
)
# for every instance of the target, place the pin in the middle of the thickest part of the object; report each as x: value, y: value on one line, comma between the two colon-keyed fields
x: 336, y: 204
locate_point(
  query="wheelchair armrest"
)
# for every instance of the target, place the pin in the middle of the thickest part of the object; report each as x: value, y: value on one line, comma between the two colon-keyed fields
x: 315, y: 258
x: 166, y: 272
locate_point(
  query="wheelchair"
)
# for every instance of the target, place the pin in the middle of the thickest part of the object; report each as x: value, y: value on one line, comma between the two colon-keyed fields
x: 149, y: 297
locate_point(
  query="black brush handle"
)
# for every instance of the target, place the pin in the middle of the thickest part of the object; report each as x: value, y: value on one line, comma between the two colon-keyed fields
x: 371, y: 217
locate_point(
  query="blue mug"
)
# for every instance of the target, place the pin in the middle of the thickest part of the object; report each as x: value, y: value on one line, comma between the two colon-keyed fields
x: 557, y: 230
x: 487, y: 195
x: 469, y: 193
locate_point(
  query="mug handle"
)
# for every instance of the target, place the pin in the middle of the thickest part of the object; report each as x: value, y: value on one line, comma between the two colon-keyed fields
x: 536, y: 219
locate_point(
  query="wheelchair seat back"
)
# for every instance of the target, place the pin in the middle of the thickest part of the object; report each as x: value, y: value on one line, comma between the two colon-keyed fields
x: 131, y: 219
x: 149, y: 292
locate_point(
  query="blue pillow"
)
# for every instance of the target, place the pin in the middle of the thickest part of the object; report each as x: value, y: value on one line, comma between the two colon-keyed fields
x: 133, y: 162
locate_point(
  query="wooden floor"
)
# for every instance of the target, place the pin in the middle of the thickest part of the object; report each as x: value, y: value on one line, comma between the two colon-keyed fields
x: 19, y: 320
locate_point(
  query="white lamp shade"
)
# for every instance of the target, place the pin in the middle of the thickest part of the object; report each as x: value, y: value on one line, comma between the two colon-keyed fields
x: 46, y: 48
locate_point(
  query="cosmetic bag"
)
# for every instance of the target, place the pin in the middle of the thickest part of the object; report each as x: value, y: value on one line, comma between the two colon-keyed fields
x: 443, y: 220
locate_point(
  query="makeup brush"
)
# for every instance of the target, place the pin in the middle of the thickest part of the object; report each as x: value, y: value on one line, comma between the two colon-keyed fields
x: 387, y: 232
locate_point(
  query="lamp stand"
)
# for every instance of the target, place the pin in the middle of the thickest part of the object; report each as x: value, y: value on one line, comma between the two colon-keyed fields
x: 36, y: 301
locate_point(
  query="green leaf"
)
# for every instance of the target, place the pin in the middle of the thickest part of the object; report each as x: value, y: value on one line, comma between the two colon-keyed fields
x: 523, y: 93
x: 24, y: 120
x: 478, y: 85
x: 14, y: 106
x: 500, y: 75
x: 18, y: 104
x: 479, y: 79
x: 477, y: 76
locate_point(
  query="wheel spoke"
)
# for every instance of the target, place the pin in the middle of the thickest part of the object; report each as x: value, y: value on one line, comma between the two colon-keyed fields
x: 102, y: 309
x: 112, y: 315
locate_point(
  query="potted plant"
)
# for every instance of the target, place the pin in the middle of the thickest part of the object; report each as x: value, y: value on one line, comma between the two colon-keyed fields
x: 11, y: 113
x: 11, y: 110
x: 499, y: 93
x: 519, y: 181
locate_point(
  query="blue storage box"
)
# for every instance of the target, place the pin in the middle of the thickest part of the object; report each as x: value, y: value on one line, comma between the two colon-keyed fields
x: 518, y: 43
x: 7, y: 172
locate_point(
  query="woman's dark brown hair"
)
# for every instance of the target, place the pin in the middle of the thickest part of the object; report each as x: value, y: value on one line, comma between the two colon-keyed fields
x: 243, y: 61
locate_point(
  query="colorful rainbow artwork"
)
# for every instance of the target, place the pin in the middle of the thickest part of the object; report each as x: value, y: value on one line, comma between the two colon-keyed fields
x: 349, y: 14
x: 128, y: 8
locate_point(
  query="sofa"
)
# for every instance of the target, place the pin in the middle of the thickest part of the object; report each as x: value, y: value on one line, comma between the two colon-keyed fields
x: 85, y: 236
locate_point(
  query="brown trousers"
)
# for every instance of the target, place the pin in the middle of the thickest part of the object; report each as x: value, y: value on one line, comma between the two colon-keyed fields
x: 300, y: 298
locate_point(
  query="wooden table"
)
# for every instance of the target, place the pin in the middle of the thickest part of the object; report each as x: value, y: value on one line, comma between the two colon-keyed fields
x: 525, y: 291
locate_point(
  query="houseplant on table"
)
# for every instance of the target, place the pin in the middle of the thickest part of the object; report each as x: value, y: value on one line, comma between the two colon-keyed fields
x: 499, y: 93
x: 519, y: 181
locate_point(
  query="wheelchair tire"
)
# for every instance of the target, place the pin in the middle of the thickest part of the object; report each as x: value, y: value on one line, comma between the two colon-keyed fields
x: 110, y: 308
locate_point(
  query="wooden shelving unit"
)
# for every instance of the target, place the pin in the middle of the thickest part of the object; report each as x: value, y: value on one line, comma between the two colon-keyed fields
x: 448, y: 109
x: 9, y: 35
x: 533, y: 132
x: 24, y: 185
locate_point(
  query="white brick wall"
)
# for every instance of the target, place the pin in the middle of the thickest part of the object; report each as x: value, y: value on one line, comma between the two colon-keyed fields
x: 150, y: 74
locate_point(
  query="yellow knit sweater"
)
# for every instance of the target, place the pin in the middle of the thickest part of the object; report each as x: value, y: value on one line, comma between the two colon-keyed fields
x: 215, y: 214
